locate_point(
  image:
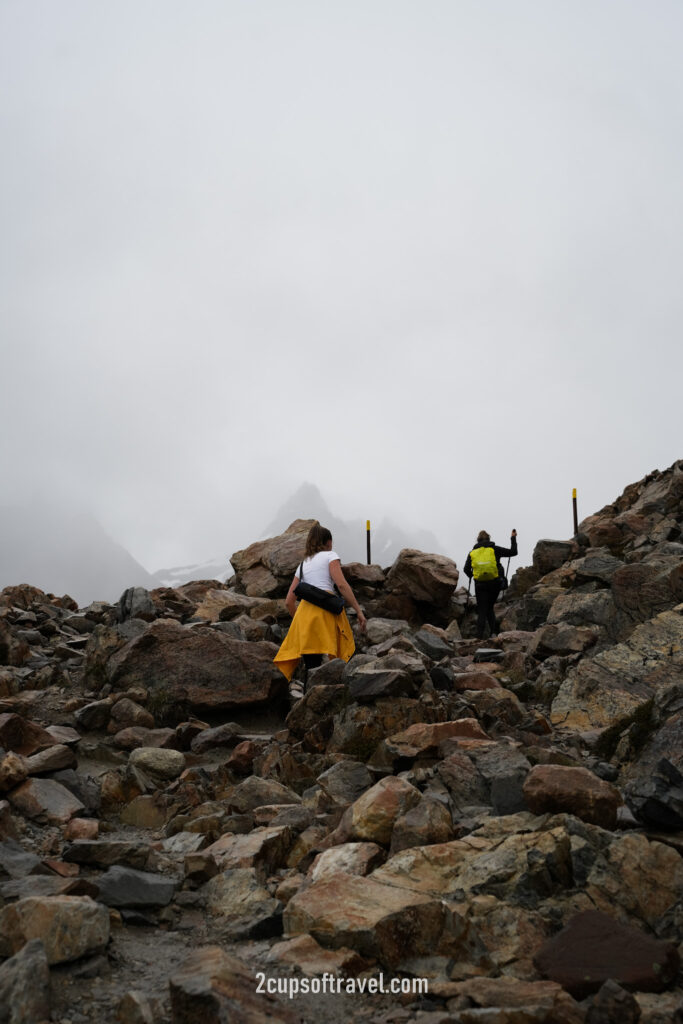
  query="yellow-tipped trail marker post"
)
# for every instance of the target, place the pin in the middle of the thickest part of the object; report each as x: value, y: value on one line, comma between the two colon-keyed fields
x: 576, y: 514
x: 367, y: 537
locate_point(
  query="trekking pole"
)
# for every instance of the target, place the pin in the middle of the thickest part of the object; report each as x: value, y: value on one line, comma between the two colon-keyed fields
x: 367, y: 537
x: 467, y: 602
x: 576, y: 514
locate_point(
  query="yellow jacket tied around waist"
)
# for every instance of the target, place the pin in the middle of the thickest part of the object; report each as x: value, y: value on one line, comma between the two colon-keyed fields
x: 314, y: 631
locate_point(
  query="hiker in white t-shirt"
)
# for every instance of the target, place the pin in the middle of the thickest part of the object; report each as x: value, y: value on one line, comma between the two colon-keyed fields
x: 315, y: 631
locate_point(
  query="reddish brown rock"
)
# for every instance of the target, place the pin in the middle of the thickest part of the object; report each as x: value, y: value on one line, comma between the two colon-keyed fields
x: 265, y: 849
x: 146, y: 811
x: 255, y: 792
x: 23, y: 737
x: 46, y: 800
x: 594, y: 947
x: 475, y: 681
x: 423, y: 577
x: 82, y: 828
x: 241, y: 759
x: 13, y: 650
x: 138, y: 736
x: 136, y: 1008
x: 265, y: 569
x: 126, y: 713
x: 225, y: 990
x: 556, y: 789
x: 371, y: 818
x: 70, y: 926
x: 8, y: 829
x: 13, y: 771
x: 197, y: 668
x: 377, y: 920
x: 52, y: 759
x: 424, y: 738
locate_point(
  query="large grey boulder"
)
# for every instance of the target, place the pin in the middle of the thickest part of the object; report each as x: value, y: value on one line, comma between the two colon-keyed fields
x: 70, y: 926
x: 265, y: 569
x: 25, y: 986
x: 198, y: 668
x: 424, y: 578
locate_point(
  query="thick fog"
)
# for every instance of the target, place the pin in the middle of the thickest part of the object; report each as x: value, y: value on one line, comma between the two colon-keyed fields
x: 425, y: 256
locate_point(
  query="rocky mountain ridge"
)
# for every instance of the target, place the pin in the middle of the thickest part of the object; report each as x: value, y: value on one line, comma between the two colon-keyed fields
x: 502, y: 819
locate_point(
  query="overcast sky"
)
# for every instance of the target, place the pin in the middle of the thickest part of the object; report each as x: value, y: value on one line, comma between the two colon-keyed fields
x: 425, y: 254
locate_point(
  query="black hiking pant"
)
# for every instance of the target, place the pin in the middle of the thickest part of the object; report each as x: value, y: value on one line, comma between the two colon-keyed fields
x: 486, y: 592
x: 312, y: 660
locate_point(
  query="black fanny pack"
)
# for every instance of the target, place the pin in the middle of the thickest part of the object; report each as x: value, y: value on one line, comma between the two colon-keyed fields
x: 315, y: 595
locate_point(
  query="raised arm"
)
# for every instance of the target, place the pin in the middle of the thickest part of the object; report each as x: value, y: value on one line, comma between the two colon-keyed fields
x: 346, y: 591
x: 511, y: 551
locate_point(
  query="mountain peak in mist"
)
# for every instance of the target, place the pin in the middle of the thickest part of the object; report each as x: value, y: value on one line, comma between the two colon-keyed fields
x: 306, y: 503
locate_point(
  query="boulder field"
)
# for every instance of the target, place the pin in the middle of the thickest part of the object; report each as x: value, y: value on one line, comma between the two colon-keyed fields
x: 440, y: 830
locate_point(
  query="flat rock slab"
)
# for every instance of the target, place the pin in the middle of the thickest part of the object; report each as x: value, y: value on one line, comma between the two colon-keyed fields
x: 225, y: 989
x: 227, y: 735
x: 125, y: 887
x: 52, y: 759
x: 23, y: 737
x: 64, y: 734
x: 45, y: 799
x: 376, y: 920
x: 594, y: 947
x: 69, y: 926
x: 103, y: 853
x: 538, y: 1000
x: 47, y: 885
x: 370, y: 684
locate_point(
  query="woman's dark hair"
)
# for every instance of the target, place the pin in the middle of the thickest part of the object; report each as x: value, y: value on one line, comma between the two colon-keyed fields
x: 483, y: 536
x: 318, y: 537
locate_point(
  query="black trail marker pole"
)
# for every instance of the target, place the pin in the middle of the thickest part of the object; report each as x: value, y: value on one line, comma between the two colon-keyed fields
x: 576, y: 514
x: 367, y: 537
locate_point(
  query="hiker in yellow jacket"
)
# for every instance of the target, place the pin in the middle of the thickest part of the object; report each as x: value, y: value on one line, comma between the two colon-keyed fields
x: 314, y: 631
x: 484, y: 564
